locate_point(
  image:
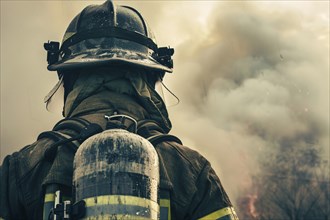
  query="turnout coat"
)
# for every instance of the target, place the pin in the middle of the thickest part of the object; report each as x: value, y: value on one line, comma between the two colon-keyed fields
x: 189, y: 187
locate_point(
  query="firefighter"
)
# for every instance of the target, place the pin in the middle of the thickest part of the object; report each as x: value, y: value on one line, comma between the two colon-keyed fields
x: 108, y: 65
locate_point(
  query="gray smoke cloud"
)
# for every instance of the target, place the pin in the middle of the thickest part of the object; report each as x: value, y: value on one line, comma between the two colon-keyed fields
x: 249, y: 75
x: 256, y: 78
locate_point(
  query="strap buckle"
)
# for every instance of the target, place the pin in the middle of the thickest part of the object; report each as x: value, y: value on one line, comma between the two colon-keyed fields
x: 121, y: 121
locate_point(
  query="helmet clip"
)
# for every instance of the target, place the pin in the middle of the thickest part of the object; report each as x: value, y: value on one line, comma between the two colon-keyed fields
x: 164, y: 56
x: 53, y: 51
x: 121, y: 121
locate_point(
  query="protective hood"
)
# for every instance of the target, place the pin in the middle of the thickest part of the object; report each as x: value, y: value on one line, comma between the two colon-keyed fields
x: 99, y: 91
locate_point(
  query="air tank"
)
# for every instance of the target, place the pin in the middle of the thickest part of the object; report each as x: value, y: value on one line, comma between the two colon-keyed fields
x: 116, y: 173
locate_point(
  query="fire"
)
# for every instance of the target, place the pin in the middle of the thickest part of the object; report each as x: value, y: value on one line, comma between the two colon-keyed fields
x: 247, y: 206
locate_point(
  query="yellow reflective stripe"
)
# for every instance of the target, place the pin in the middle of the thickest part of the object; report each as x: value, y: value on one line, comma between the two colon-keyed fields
x: 120, y: 199
x: 49, y: 197
x: 221, y: 213
x: 107, y: 217
x: 166, y: 203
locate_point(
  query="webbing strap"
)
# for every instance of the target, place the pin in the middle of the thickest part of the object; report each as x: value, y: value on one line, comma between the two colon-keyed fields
x: 66, y: 137
x: 158, y: 138
x: 59, y: 139
x: 76, y: 124
x: 154, y: 133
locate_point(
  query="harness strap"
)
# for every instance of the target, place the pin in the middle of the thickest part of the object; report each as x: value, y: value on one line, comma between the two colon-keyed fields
x: 159, y: 138
x: 154, y: 133
x: 147, y: 129
x: 76, y: 124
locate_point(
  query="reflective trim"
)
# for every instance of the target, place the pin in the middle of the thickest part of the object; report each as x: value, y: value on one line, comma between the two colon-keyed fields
x: 107, y: 217
x: 49, y: 201
x: 165, y: 209
x: 120, y: 199
x: 222, y: 214
x: 116, y: 206
x: 121, y: 209
x: 49, y: 197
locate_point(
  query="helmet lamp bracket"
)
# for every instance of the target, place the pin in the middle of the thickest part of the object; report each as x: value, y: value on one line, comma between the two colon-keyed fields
x: 164, y: 56
x: 53, y: 51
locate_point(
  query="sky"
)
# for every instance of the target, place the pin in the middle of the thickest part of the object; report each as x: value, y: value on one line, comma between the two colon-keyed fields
x: 249, y: 75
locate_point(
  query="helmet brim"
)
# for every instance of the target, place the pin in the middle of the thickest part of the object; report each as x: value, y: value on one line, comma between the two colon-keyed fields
x: 93, y: 58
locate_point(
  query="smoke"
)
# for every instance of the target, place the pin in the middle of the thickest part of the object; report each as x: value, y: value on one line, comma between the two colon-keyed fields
x: 259, y: 78
x: 251, y: 76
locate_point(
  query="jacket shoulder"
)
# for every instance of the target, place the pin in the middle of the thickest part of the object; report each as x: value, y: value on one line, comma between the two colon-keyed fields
x: 183, y: 155
x: 180, y: 168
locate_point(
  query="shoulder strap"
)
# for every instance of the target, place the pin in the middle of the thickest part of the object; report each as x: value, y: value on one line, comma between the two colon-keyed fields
x: 76, y: 124
x: 82, y: 129
x: 153, y: 133
x: 159, y: 138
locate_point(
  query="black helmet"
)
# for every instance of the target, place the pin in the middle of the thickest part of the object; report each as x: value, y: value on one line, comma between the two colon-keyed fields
x: 108, y: 35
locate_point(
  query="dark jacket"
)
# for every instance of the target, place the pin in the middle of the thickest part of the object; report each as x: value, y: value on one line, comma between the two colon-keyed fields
x: 189, y: 187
